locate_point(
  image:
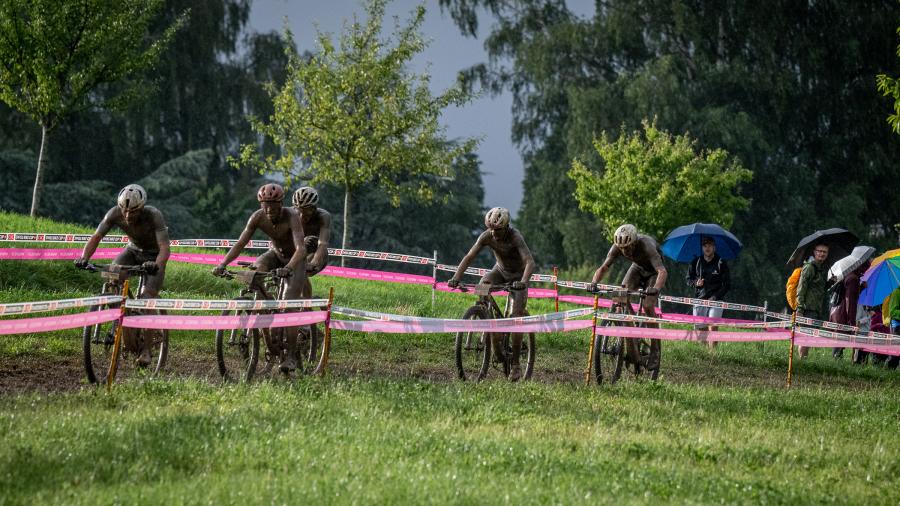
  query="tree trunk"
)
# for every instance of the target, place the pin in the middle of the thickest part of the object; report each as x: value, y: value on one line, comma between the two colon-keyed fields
x: 39, y: 177
x: 344, y: 241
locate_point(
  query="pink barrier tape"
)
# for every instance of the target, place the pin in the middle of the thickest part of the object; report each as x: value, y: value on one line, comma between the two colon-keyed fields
x: 53, y: 254
x: 534, y: 293
x: 380, y: 255
x: 691, y: 334
x: 56, y: 305
x: 687, y: 318
x: 392, y: 277
x: 50, y: 323
x: 711, y: 303
x: 884, y: 351
x: 68, y: 238
x: 667, y: 320
x: 874, y: 339
x: 445, y: 326
x: 561, y: 315
x: 223, y: 305
x: 245, y: 321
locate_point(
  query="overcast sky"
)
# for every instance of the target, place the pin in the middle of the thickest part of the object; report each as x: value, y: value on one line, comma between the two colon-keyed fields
x: 449, y: 52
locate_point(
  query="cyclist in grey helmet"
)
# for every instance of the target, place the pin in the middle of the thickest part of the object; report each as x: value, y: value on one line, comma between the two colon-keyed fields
x: 514, y: 265
x: 317, y: 227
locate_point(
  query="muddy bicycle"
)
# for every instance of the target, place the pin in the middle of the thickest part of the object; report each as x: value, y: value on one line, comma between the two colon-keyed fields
x: 237, y: 350
x: 612, y: 354
x: 149, y: 347
x: 473, y: 350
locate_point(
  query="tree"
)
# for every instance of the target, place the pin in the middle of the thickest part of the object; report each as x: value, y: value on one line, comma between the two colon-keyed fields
x: 890, y: 87
x: 354, y: 115
x: 658, y: 182
x: 55, y: 56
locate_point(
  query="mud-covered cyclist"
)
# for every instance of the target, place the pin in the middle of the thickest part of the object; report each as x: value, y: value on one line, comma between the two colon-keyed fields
x: 317, y: 229
x: 514, y: 265
x: 647, y: 273
x: 286, y: 257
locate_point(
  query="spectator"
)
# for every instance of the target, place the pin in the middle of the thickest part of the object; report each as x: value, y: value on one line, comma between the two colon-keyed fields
x: 844, y: 312
x: 711, y: 279
x: 812, y: 288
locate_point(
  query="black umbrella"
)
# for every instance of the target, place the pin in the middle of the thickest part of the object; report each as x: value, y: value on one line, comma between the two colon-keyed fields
x: 840, y: 243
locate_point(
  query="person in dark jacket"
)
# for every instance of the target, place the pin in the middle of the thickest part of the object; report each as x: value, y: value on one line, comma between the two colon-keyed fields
x: 812, y: 289
x: 845, y: 312
x: 709, y: 276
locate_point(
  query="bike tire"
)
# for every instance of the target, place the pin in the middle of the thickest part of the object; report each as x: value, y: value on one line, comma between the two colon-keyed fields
x: 237, y: 351
x: 644, y: 349
x: 473, y: 349
x: 529, y: 340
x: 609, y: 356
x: 97, y: 346
x: 310, y: 343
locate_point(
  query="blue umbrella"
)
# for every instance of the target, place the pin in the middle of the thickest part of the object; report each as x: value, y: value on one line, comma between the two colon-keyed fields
x: 880, y: 280
x: 683, y: 243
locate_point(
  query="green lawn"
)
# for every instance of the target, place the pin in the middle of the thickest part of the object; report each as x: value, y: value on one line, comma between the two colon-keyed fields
x: 390, y: 424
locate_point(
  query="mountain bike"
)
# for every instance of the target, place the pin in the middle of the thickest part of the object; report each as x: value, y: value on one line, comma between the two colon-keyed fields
x: 613, y: 353
x: 237, y: 350
x: 473, y: 349
x: 104, y: 360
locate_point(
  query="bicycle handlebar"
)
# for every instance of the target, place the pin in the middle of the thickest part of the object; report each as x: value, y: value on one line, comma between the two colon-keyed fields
x: 507, y: 287
x: 133, y: 270
x: 620, y: 292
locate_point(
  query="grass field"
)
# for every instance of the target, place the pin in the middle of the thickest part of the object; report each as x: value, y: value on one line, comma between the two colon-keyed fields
x: 390, y: 424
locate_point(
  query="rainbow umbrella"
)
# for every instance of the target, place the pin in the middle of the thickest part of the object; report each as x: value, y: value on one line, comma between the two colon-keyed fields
x: 884, y: 256
x: 880, y: 281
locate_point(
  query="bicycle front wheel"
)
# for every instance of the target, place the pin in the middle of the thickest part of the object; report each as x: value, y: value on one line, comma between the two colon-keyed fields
x: 473, y: 349
x: 237, y: 351
x: 97, y: 344
x: 310, y: 340
x: 609, y: 354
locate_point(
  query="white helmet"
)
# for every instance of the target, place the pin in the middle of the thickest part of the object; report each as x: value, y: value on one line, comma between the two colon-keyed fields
x: 625, y: 235
x: 497, y: 217
x: 132, y: 197
x: 306, y: 196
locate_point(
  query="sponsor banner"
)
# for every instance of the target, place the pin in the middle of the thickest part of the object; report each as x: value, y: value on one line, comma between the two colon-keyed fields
x: 242, y: 321
x: 379, y: 255
x: 223, y: 305
x: 65, y: 238
x: 50, y: 323
x: 17, y: 308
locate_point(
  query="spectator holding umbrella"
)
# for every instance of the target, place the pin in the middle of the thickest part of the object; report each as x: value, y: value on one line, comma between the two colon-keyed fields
x: 710, y: 277
x: 812, y: 288
x: 846, y: 273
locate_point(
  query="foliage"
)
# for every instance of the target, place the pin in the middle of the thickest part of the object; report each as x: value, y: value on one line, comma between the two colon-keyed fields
x: 658, y: 182
x: 787, y: 94
x: 56, y: 56
x: 354, y: 115
x: 890, y: 87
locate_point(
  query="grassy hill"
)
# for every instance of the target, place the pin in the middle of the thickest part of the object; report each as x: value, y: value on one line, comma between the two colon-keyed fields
x: 390, y: 424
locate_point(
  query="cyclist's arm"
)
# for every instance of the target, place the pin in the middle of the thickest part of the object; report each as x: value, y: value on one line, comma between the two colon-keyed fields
x: 470, y: 256
x: 528, y: 260
x: 102, y: 229
x: 299, y: 248
x: 661, y: 273
x: 162, y: 240
x: 242, y: 240
x: 603, y: 269
x: 324, y: 236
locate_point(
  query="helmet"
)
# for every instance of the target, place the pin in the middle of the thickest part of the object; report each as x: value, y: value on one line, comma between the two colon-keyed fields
x: 132, y: 197
x: 625, y: 235
x: 270, y: 193
x: 497, y: 217
x: 306, y: 196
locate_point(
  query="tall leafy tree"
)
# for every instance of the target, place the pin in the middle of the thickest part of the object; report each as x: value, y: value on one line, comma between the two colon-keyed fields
x: 658, y: 181
x: 56, y: 56
x: 355, y: 115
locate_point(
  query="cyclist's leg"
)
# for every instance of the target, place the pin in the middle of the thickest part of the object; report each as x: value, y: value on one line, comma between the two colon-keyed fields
x: 268, y: 261
x: 519, y: 302
x: 152, y: 286
x: 307, y: 289
x: 495, y: 277
x: 130, y: 336
x: 295, y: 285
x: 649, y: 306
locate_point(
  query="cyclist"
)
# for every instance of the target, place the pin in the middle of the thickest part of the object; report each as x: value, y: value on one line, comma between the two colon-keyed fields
x: 286, y: 257
x: 316, y: 225
x: 514, y: 265
x: 647, y: 272
x: 148, y: 246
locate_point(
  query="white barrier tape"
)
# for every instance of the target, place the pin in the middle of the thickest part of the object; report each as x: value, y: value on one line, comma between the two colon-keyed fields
x: 877, y: 339
x: 802, y: 320
x: 17, y: 308
x: 477, y: 271
x: 223, y: 305
x: 371, y: 315
x: 648, y: 319
x: 67, y: 238
x: 712, y: 303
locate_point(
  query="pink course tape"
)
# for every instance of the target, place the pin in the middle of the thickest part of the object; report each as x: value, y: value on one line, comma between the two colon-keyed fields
x: 245, y: 321
x: 50, y: 323
x: 444, y: 326
x: 691, y: 334
x: 393, y: 277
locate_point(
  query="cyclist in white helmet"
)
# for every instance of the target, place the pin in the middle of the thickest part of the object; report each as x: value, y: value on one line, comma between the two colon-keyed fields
x: 514, y: 265
x: 317, y: 230
x: 148, y: 243
x: 647, y: 272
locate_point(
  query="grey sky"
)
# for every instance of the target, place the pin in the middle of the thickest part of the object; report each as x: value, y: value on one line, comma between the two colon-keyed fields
x: 449, y: 52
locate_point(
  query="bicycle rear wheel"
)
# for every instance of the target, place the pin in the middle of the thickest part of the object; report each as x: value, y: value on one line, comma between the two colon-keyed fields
x: 526, y: 353
x: 97, y: 345
x: 643, y: 346
x: 609, y: 354
x: 473, y: 349
x: 310, y: 340
x: 237, y: 351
